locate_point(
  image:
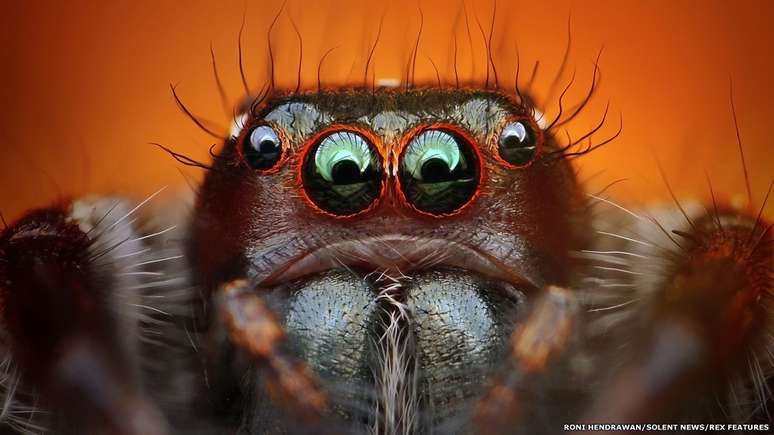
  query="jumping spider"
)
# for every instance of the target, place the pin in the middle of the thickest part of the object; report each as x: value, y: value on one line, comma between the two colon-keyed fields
x: 419, y: 260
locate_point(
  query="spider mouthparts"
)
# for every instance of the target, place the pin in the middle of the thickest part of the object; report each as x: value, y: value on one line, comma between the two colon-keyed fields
x: 392, y: 346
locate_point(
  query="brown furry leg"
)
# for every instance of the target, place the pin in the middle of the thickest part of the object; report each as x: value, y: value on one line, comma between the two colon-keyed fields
x: 253, y: 328
x: 706, y: 335
x: 64, y: 304
x: 535, y: 346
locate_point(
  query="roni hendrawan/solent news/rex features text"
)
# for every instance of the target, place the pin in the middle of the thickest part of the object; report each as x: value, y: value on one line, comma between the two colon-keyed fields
x: 682, y: 427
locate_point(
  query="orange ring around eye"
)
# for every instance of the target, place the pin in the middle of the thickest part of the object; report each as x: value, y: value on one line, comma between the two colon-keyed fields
x: 245, y: 133
x: 306, y: 148
x: 449, y: 128
x: 536, y: 131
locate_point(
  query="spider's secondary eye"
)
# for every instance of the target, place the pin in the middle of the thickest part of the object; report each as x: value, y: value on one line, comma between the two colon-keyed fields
x: 439, y: 172
x: 517, y: 144
x: 262, y: 148
x: 342, y: 173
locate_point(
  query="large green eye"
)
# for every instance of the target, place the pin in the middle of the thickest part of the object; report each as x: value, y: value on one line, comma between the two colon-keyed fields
x: 342, y: 173
x: 439, y: 172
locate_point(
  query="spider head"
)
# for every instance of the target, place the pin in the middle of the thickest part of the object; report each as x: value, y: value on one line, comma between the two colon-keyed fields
x: 389, y: 227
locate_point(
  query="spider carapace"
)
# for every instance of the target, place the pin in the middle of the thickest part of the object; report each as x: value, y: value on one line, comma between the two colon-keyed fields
x: 385, y: 261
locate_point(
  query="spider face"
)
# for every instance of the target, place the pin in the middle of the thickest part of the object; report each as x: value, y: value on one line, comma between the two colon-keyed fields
x: 429, y: 215
x: 418, y: 259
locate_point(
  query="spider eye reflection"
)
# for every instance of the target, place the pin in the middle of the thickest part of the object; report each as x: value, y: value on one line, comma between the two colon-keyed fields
x: 262, y: 148
x: 342, y: 173
x: 517, y: 144
x: 439, y: 172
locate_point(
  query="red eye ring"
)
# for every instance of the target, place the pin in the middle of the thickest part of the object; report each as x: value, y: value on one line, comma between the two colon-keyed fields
x: 245, y: 134
x: 474, y: 149
x: 533, y: 129
x: 311, y: 144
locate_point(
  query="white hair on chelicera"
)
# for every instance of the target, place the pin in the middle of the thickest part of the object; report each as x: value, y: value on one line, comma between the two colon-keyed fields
x: 396, y: 383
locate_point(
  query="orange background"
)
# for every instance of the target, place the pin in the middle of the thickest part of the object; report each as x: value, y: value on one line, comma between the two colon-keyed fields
x: 85, y: 84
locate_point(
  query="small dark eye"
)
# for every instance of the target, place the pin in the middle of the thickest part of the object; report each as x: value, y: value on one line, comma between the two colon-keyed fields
x: 342, y: 173
x: 517, y: 144
x: 439, y: 172
x: 262, y: 148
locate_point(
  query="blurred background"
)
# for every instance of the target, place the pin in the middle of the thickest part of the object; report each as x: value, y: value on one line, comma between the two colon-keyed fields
x: 86, y: 83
